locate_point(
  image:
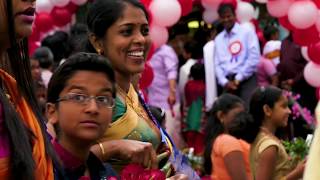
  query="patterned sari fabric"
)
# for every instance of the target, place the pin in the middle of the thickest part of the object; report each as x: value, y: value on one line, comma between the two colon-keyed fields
x: 134, y: 121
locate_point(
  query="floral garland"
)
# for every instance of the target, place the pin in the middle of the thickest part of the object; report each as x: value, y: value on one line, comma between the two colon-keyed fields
x: 298, y: 110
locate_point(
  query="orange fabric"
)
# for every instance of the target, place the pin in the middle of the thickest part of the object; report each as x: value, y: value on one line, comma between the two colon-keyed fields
x: 4, y: 168
x: 223, y: 145
x: 44, y: 167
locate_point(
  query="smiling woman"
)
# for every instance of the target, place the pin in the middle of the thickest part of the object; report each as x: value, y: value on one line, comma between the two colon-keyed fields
x: 25, y: 147
x: 119, y: 30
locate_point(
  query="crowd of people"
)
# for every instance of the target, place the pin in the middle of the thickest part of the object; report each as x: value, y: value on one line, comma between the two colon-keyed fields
x: 76, y: 109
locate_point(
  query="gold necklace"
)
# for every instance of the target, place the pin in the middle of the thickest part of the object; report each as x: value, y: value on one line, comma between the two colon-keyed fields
x: 128, y: 100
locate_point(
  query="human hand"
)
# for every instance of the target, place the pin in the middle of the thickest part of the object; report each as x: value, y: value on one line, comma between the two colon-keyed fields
x: 137, y: 152
x: 172, y: 98
x: 178, y: 177
x: 300, y: 168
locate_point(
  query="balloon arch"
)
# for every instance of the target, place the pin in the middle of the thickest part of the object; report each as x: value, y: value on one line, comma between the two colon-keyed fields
x: 300, y: 17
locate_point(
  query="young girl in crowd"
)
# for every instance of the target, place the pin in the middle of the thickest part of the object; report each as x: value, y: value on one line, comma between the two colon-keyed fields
x: 194, y: 119
x: 226, y: 157
x: 25, y: 150
x: 80, y: 100
x: 119, y: 30
x: 268, y: 158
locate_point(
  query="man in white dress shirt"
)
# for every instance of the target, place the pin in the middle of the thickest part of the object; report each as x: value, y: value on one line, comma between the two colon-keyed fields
x: 237, y: 54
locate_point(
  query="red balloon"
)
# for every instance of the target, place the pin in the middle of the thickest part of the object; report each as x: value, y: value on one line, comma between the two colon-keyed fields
x: 318, y: 93
x: 305, y: 37
x: 32, y: 47
x: 72, y: 8
x: 35, y: 36
x: 146, y: 3
x: 151, y: 51
x: 146, y: 77
x: 313, y: 52
x: 61, y: 16
x: 44, y: 22
x: 317, y: 2
x: 186, y: 7
x: 284, y: 21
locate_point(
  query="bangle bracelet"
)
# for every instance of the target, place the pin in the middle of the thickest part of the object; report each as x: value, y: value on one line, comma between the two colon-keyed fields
x: 102, y: 149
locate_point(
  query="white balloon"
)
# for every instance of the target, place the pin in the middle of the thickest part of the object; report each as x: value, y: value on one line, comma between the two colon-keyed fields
x: 44, y: 6
x: 165, y: 12
x: 209, y: 16
x: 311, y: 74
x: 248, y: 25
x: 159, y: 35
x: 262, y: 1
x: 279, y: 8
x: 245, y: 11
x: 303, y: 14
x: 304, y: 52
x: 79, y: 2
x: 60, y: 3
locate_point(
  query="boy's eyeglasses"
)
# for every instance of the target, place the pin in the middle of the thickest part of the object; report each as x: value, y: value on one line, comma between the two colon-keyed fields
x: 83, y: 99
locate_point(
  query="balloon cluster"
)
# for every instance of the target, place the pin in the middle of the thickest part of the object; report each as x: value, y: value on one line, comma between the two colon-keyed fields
x: 245, y: 12
x: 52, y: 15
x: 163, y: 14
x: 302, y: 19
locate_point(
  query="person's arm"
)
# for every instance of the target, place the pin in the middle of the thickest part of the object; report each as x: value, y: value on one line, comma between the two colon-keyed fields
x: 171, y: 66
x: 130, y: 150
x: 297, y: 173
x: 235, y: 165
x: 172, y: 92
x: 222, y: 80
x: 253, y: 57
x: 266, y: 163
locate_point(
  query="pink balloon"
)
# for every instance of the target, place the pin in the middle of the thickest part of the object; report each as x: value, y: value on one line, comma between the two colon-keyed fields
x: 211, y: 4
x: 304, y: 52
x: 44, y: 22
x: 278, y: 8
x: 159, y: 35
x: 311, y: 74
x: 79, y: 2
x: 44, y: 6
x: 165, y: 12
x: 303, y: 14
x: 60, y: 3
x: 61, y: 16
x: 209, y: 16
x: 245, y: 12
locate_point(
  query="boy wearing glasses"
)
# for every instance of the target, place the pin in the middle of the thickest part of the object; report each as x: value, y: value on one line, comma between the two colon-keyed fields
x: 79, y: 104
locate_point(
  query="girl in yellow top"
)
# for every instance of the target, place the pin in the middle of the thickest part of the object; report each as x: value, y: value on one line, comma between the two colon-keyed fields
x: 268, y: 158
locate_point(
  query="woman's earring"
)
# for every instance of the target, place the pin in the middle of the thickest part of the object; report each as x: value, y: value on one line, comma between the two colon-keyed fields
x: 100, y: 52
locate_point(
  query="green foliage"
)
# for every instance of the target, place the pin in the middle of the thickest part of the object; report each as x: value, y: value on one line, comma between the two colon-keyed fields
x: 297, y: 149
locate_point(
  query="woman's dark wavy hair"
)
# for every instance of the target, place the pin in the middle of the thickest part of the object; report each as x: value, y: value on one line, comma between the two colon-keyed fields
x: 104, y: 13
x: 22, y: 165
x: 78, y: 62
x: 261, y: 96
x: 224, y: 103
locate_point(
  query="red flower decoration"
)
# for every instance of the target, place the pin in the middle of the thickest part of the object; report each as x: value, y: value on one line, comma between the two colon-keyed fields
x: 136, y: 172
